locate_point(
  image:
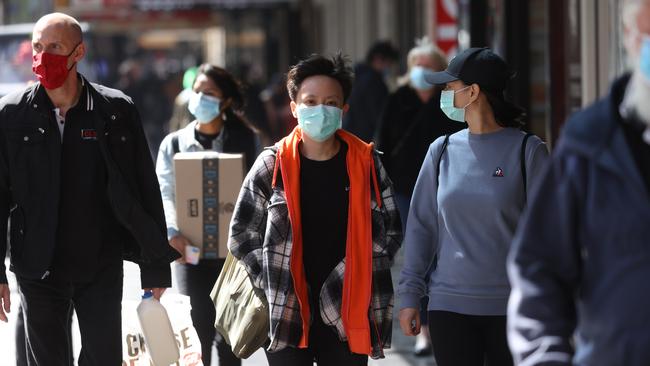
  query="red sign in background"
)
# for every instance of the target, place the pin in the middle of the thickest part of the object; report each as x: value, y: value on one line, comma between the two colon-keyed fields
x: 446, y: 27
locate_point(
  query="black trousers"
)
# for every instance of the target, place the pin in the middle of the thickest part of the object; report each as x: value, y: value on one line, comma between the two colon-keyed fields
x: 47, y: 308
x: 469, y: 340
x: 325, y: 348
x: 197, y: 281
x: 21, y: 340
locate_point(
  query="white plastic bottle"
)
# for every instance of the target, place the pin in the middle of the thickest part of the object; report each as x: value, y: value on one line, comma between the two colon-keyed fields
x: 158, y: 332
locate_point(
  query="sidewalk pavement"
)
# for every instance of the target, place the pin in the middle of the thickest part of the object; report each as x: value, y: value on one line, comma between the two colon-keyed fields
x: 401, y: 353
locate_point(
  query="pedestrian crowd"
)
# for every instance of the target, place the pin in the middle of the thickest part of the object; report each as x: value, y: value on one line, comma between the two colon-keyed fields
x: 511, y: 255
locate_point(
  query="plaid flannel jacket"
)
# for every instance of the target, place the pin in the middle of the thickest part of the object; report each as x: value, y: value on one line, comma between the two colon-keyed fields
x: 260, y: 236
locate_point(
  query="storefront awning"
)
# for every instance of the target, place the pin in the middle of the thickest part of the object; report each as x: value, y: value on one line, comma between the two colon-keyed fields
x: 166, y: 4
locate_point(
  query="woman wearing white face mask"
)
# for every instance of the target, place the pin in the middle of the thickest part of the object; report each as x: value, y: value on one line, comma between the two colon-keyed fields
x: 216, y: 96
x: 467, y: 201
x: 316, y: 226
x: 411, y: 121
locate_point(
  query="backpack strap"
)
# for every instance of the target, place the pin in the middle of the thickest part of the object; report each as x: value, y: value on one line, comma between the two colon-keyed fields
x: 175, y: 147
x: 523, y: 164
x: 442, y: 151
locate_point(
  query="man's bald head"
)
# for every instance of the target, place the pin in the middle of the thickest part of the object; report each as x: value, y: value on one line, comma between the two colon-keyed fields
x: 63, y: 24
x: 58, y: 34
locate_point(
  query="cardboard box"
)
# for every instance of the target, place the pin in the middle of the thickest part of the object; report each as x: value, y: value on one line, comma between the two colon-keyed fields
x: 207, y: 186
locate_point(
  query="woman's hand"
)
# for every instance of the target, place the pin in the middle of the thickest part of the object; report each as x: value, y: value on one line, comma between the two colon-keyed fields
x: 179, y: 242
x: 409, y: 320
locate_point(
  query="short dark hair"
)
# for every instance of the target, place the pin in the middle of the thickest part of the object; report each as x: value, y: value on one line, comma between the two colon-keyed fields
x: 230, y: 87
x: 382, y: 49
x: 337, y: 67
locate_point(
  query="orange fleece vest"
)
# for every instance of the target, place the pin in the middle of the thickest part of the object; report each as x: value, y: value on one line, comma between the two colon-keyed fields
x: 357, y: 281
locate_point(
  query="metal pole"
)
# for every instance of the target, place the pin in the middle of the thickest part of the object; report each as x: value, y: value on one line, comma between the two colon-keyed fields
x: 3, y: 7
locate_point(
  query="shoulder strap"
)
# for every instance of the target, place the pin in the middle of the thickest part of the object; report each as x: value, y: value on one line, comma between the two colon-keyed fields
x: 442, y: 151
x: 523, y: 164
x: 175, y: 147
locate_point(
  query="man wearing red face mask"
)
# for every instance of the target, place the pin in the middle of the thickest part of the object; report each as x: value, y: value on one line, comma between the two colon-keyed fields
x: 78, y: 183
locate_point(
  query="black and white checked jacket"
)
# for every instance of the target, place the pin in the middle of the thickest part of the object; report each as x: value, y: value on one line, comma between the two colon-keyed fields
x: 261, y: 237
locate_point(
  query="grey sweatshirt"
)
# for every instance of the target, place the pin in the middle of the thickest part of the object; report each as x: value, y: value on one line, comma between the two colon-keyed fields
x: 458, y: 233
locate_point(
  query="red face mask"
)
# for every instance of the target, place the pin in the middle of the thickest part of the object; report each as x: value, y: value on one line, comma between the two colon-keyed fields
x: 50, y: 69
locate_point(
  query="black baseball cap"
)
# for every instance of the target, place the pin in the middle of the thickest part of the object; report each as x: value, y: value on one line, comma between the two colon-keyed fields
x: 475, y: 66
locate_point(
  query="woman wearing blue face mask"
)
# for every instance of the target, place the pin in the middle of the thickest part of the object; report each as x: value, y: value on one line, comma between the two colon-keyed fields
x: 411, y: 121
x: 466, y: 204
x: 216, y: 96
x: 317, y: 227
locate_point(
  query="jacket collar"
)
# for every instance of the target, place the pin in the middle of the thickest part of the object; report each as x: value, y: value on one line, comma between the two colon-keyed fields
x: 187, y: 139
x: 596, y: 133
x: 39, y: 100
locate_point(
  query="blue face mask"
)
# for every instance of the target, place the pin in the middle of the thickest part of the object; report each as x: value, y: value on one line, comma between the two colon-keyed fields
x: 319, y: 122
x: 417, y: 77
x: 447, y: 105
x: 644, y: 57
x: 204, y: 107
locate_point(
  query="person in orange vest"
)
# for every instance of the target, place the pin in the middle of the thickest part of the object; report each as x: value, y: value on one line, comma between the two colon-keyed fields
x: 317, y: 227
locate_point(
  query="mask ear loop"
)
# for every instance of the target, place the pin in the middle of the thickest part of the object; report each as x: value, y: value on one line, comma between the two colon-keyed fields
x: 71, y: 52
x: 460, y: 90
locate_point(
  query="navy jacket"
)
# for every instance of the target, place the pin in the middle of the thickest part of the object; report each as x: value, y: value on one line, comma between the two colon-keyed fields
x: 580, y: 264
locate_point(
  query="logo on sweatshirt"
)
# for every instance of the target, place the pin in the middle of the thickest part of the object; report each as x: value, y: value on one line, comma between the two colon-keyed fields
x: 498, y: 172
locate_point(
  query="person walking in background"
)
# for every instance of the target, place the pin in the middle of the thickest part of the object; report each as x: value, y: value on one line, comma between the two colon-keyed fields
x: 78, y: 182
x: 181, y: 115
x: 411, y: 121
x: 215, y: 97
x: 316, y: 227
x: 467, y: 201
x: 580, y: 260
x: 369, y: 91
x: 147, y: 90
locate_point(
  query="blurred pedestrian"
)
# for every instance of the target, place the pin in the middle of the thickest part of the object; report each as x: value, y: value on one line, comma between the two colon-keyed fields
x: 580, y: 261
x: 369, y: 91
x: 317, y: 227
x: 215, y: 97
x: 78, y: 183
x: 147, y: 90
x: 276, y: 105
x: 411, y: 121
x: 181, y: 115
x: 255, y: 108
x: 467, y: 201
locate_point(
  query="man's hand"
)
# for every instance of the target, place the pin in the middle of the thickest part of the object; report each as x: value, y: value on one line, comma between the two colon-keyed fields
x: 409, y: 321
x: 5, y: 301
x: 157, y: 292
x: 179, y: 242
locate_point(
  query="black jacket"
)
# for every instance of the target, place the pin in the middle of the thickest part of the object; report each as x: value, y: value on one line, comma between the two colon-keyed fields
x: 30, y: 158
x: 367, y: 99
x: 408, y: 127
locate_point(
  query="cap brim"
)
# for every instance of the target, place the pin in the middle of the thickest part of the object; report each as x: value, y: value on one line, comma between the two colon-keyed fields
x: 439, y: 78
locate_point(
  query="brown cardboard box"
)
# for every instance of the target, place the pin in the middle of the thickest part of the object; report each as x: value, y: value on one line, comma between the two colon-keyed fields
x: 207, y: 186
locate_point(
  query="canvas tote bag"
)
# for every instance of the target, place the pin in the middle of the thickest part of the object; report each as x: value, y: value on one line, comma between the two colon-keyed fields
x: 242, y: 311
